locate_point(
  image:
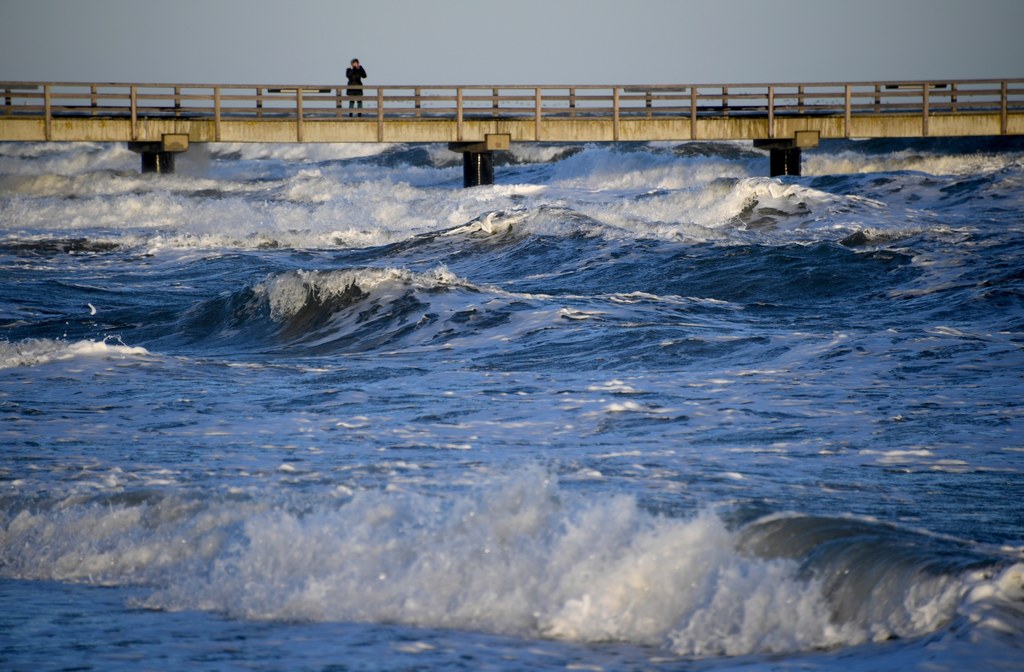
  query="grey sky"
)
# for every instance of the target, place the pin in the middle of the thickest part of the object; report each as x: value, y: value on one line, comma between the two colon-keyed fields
x: 509, y: 41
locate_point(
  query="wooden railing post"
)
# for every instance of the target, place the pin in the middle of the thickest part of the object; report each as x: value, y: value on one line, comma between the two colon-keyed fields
x: 298, y: 113
x: 572, y: 102
x: 132, y: 96
x: 693, y: 113
x: 417, y: 94
x: 536, y: 113
x: 1004, y: 95
x: 216, y: 113
x: 48, y: 118
x: 380, y: 114
x: 771, y: 111
x: 925, y: 87
x: 848, y: 110
x: 615, y: 114
x: 458, y: 114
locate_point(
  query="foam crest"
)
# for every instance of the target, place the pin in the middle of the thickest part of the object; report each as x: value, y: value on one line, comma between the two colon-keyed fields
x: 36, y: 352
x: 253, y: 196
x: 333, y: 151
x: 821, y: 162
x: 607, y: 169
x: 290, y: 293
x: 520, y: 556
x: 995, y: 601
x: 65, y: 158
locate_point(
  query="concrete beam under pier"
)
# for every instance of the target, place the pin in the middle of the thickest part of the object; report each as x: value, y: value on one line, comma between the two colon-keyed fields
x: 785, y: 153
x: 158, y: 157
x: 478, y: 158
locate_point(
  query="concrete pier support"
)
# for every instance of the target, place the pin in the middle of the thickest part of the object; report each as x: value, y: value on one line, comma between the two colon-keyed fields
x: 784, y: 161
x: 478, y: 158
x: 157, y: 162
x: 477, y: 168
x: 784, y: 154
x: 158, y: 157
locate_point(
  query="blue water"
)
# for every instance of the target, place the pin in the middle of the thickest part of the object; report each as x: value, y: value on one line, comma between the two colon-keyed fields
x: 635, y: 406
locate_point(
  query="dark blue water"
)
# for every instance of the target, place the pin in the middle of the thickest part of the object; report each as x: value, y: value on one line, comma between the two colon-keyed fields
x: 635, y: 406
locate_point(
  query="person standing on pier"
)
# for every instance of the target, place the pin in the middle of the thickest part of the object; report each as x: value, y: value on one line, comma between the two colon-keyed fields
x: 355, y: 74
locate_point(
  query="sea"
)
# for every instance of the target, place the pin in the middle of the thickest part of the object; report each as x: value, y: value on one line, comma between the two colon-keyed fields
x: 634, y: 406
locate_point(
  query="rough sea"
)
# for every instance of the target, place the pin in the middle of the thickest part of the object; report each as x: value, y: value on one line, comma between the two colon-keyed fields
x: 633, y: 407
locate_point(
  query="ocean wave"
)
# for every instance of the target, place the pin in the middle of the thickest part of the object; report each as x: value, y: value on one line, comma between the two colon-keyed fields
x: 535, y: 290
x: 65, y: 158
x: 526, y: 557
x: 934, y: 156
x: 36, y: 352
x: 359, y: 310
x: 291, y: 293
x: 348, y: 311
x: 293, y: 152
x: 296, y: 197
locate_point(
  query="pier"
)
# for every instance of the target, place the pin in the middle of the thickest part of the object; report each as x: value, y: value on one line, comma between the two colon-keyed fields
x: 161, y: 120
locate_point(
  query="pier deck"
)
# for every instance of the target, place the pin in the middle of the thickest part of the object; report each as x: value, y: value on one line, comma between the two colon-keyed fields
x: 69, y: 112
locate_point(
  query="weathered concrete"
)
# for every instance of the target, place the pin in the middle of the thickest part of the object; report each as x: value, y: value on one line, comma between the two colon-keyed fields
x: 91, y: 129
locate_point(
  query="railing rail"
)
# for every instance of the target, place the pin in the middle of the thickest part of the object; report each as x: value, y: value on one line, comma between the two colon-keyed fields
x: 311, y: 103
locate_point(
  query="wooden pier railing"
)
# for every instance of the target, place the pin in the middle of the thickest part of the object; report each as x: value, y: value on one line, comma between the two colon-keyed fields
x: 324, y: 113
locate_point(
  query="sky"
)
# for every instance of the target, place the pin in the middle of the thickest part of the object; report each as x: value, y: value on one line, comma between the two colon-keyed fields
x: 447, y: 42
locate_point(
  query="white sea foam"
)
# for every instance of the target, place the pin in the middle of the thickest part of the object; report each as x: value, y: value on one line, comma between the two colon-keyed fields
x: 288, y: 293
x: 254, y: 196
x: 821, y: 163
x: 58, y: 158
x: 293, y: 152
x: 520, y: 556
x: 35, y: 352
x: 606, y: 169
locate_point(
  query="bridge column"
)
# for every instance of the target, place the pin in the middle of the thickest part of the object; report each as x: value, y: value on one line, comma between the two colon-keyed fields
x: 478, y: 158
x: 158, y: 157
x: 785, y: 153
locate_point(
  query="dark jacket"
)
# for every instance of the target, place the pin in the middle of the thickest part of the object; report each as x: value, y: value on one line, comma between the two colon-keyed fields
x: 355, y: 76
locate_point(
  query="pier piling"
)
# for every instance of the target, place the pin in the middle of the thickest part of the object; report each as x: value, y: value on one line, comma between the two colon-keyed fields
x: 478, y: 158
x: 477, y: 168
x: 784, y: 154
x: 158, y: 157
